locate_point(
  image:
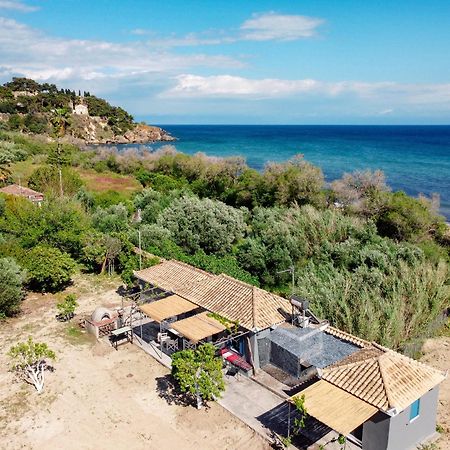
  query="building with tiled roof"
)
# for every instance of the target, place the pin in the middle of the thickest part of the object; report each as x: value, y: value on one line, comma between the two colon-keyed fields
x: 383, y: 378
x: 20, y: 191
x: 253, y: 308
x: 379, y: 398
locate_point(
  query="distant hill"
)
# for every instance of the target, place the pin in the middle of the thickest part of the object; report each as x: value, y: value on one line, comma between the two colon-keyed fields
x: 28, y: 106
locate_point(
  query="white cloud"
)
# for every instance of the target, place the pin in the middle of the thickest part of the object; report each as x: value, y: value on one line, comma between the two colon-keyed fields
x: 279, y: 27
x: 261, y: 27
x: 227, y: 86
x: 27, y: 51
x: 17, y: 6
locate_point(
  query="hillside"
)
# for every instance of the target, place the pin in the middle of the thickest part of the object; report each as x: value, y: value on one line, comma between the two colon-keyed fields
x: 30, y: 107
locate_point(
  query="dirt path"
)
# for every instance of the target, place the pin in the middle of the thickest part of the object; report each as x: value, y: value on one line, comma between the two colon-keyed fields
x: 437, y: 354
x: 99, y: 398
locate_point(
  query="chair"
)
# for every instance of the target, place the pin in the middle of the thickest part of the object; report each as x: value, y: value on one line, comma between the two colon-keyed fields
x: 161, y: 337
x: 187, y: 345
x: 171, y: 345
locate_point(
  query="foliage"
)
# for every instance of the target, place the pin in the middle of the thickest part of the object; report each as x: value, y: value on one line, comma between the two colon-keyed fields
x: 296, y: 181
x: 58, y: 223
x: 199, y: 372
x: 67, y: 307
x: 299, y: 422
x: 232, y: 326
x: 407, y: 219
x: 388, y: 301
x: 46, y: 179
x: 12, y: 278
x: 203, y: 224
x: 111, y: 219
x: 29, y: 361
x: 48, y: 268
x: 33, y: 107
x: 360, y: 191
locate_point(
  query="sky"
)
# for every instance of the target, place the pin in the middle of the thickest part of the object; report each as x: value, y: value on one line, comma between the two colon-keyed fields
x: 240, y: 61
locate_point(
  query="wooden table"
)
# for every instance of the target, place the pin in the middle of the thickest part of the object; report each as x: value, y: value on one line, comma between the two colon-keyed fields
x: 120, y: 334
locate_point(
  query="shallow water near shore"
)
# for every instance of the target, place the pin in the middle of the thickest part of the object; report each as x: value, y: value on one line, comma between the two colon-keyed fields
x: 415, y: 159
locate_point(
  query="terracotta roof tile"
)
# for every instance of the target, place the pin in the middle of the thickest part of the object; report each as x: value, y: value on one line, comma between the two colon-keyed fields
x: 252, y: 307
x: 383, y: 378
x: 171, y: 275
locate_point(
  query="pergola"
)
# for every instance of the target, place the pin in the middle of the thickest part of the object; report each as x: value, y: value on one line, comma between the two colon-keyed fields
x: 198, y: 327
x: 171, y: 306
x: 336, y: 408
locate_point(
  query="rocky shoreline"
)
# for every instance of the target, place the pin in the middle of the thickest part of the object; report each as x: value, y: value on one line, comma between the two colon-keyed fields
x: 141, y: 134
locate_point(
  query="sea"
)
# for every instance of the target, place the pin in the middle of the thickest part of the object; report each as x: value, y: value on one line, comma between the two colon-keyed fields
x: 415, y: 159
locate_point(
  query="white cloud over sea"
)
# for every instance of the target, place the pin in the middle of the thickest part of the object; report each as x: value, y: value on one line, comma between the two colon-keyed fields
x: 195, y: 86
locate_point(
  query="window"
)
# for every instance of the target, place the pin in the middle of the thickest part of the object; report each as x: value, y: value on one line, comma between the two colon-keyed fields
x: 415, y: 410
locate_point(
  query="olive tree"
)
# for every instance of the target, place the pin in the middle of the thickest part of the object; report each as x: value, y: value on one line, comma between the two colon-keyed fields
x: 203, y: 224
x: 30, y: 362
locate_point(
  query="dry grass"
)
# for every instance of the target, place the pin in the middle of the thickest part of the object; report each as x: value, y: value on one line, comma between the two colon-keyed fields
x: 101, y: 182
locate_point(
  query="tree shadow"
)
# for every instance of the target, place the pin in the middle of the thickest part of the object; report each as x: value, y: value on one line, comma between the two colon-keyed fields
x: 167, y: 389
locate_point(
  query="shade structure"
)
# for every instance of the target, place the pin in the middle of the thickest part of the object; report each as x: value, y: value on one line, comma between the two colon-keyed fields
x: 341, y: 411
x: 167, y: 307
x: 198, y: 327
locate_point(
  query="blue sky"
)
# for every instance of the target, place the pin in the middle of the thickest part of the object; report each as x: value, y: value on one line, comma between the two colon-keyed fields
x: 202, y: 61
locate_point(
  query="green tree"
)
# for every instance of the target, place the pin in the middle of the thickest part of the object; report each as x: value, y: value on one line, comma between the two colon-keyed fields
x: 12, y: 278
x: 48, y: 268
x: 47, y: 179
x: 112, y: 219
x: 199, y: 373
x: 30, y: 362
x: 203, y: 224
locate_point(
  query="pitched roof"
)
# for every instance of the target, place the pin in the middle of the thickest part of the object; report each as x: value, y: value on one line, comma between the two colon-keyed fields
x: 171, y: 275
x: 15, y: 189
x: 383, y: 378
x: 341, y: 411
x: 252, y: 307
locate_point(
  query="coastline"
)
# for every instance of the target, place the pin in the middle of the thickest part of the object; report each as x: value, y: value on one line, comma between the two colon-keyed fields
x: 414, y: 159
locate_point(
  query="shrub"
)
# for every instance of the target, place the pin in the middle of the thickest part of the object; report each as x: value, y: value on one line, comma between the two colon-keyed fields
x: 48, y: 268
x: 11, y: 282
x: 46, y: 179
x: 67, y: 307
x: 203, y: 224
x: 111, y: 219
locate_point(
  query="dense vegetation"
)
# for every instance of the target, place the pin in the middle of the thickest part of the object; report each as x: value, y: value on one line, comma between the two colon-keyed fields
x: 373, y: 262
x: 30, y: 105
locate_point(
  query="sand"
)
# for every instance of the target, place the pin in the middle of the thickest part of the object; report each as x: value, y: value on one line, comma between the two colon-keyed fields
x: 97, y: 397
x: 437, y: 354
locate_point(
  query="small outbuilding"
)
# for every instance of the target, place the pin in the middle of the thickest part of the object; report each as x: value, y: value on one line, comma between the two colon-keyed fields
x: 20, y: 191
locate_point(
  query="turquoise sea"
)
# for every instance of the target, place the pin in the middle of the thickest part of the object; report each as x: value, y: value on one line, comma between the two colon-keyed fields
x: 415, y: 159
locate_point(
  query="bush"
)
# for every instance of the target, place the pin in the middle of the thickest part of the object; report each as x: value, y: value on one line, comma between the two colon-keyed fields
x: 111, y: 219
x: 67, y: 307
x: 58, y: 223
x: 49, y: 269
x: 407, y: 219
x: 46, y: 179
x: 11, y: 281
x: 204, y: 224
